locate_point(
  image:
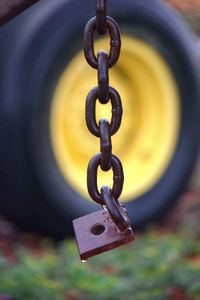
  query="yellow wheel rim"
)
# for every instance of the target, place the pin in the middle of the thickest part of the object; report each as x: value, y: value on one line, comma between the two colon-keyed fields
x: 149, y: 132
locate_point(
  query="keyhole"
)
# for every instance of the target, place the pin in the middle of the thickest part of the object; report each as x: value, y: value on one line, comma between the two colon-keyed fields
x: 97, y: 229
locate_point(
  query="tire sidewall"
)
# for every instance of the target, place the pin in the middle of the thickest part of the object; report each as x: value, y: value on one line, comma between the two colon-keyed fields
x: 43, y: 50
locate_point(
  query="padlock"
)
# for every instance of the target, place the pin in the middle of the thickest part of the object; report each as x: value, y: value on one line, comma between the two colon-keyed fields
x: 97, y: 232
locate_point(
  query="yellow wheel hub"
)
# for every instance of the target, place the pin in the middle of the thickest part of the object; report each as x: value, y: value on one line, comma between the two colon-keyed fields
x: 148, y: 135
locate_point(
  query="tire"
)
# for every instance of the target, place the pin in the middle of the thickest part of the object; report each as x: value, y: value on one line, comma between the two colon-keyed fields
x: 37, y: 46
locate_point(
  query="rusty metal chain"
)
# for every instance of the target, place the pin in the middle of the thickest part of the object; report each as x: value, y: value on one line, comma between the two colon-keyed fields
x: 104, y: 93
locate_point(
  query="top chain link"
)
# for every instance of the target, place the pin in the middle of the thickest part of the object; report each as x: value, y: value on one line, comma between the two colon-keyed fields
x: 101, y: 13
x: 104, y: 93
x: 115, y: 42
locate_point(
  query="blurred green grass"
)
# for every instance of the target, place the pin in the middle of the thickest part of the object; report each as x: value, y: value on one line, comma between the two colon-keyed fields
x: 154, y: 267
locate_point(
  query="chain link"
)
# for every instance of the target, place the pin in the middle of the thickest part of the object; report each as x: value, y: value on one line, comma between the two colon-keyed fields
x: 114, y: 208
x: 90, y: 111
x: 88, y: 42
x: 105, y: 144
x: 118, y: 178
x: 104, y: 93
x: 103, y: 78
x: 101, y: 13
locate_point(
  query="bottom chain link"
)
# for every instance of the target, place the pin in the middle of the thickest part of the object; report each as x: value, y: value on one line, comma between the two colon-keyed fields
x: 116, y: 210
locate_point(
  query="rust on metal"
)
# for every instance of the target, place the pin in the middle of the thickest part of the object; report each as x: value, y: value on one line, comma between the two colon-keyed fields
x: 105, y: 144
x: 116, y: 211
x: 115, y: 42
x: 108, y: 228
x: 97, y: 233
x: 11, y: 8
x: 92, y: 178
x: 90, y: 113
x: 101, y: 13
x: 103, y: 79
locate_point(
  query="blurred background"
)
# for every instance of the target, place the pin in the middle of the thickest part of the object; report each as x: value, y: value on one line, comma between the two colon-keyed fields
x: 45, y: 148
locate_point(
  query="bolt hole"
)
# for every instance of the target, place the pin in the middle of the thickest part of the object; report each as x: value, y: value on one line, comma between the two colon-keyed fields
x: 97, y: 229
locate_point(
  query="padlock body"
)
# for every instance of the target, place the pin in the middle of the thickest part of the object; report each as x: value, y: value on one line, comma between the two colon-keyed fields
x: 96, y: 233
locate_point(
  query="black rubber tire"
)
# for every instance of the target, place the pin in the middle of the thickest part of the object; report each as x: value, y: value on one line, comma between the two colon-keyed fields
x: 35, y: 49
